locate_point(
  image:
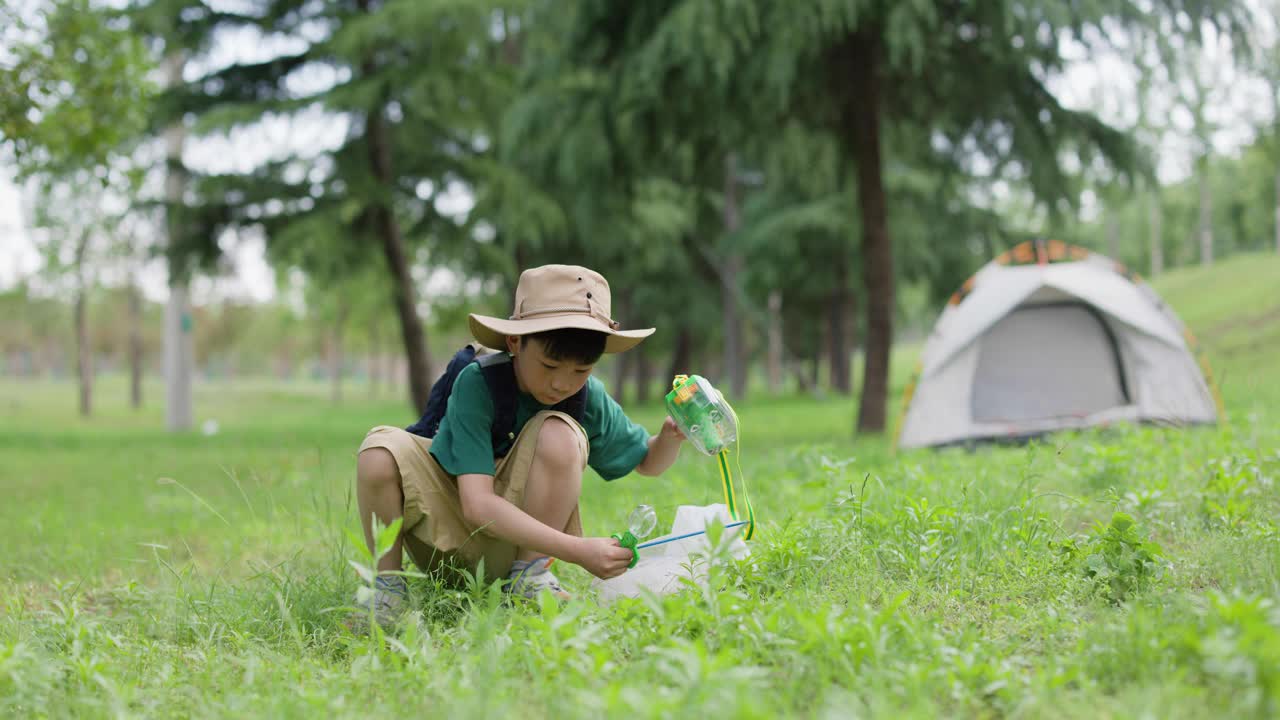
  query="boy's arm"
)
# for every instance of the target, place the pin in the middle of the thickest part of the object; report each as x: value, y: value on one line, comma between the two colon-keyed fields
x: 485, y: 509
x: 600, y: 556
x: 664, y: 448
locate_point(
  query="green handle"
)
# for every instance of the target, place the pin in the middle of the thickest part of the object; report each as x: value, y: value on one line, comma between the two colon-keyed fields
x: 629, y: 540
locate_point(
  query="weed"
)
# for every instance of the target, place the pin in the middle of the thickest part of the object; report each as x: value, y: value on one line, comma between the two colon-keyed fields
x: 1233, y: 496
x: 924, y: 584
x: 1115, y: 557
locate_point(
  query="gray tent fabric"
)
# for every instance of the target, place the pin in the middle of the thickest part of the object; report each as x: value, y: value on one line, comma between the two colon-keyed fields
x: 1042, y: 362
x: 1034, y: 348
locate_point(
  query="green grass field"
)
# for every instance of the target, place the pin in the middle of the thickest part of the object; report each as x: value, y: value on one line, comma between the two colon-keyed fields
x: 148, y: 574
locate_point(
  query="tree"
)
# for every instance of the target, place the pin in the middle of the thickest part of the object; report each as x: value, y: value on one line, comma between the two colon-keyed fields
x: 614, y: 179
x: 1265, y: 61
x: 796, y: 237
x: 73, y: 86
x: 412, y: 109
x: 1151, y: 127
x: 1197, y: 92
x: 133, y: 240
x: 172, y: 31
x: 32, y: 331
x: 74, y: 94
x: 68, y: 209
x: 179, y: 345
x: 975, y: 76
x: 337, y: 275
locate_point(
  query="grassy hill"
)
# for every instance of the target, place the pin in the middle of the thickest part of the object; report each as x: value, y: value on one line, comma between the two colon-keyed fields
x: 1233, y: 307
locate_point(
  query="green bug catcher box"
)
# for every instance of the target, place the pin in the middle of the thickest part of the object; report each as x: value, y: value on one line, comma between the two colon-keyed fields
x: 702, y: 413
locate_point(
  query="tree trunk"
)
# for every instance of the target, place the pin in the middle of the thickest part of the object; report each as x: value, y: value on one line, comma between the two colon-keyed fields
x: 520, y: 257
x: 284, y: 363
x: 393, y: 248
x: 815, y: 371
x: 135, y: 345
x: 643, y: 375
x: 622, y: 362
x: 682, y: 354
x: 1206, y: 214
x: 852, y: 333
x: 84, y: 358
x: 837, y: 340
x: 775, y: 342
x: 371, y: 358
x: 621, y: 369
x: 1155, y: 219
x: 798, y: 369
x: 1113, y: 235
x: 862, y: 131
x: 734, y: 361
x: 415, y: 342
x: 1274, y: 84
x: 84, y: 371
x: 1278, y: 210
x: 178, y: 350
x: 178, y: 356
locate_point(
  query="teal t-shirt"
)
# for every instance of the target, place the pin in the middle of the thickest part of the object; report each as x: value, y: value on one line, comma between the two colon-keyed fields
x: 464, y: 443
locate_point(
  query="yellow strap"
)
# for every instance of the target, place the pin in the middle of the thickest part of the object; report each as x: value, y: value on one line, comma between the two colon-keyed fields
x: 730, y: 495
x: 726, y: 476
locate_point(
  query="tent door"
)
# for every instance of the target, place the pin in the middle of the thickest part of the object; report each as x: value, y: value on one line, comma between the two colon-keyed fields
x: 1047, y: 361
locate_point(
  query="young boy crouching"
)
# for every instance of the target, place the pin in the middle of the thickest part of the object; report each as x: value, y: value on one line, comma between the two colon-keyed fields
x: 499, y: 479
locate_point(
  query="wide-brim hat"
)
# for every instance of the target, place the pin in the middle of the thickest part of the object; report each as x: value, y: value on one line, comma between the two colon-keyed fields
x: 552, y: 297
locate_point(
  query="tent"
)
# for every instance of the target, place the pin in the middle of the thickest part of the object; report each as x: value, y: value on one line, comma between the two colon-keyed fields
x: 1048, y: 337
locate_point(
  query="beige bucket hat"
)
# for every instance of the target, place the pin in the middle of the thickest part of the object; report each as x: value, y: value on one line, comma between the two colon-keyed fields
x: 551, y: 297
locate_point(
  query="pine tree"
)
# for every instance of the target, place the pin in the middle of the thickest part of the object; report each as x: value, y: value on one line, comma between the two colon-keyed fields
x: 972, y: 76
x: 413, y: 83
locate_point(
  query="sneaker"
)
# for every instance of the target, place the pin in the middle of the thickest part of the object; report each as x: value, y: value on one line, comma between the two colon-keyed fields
x: 530, y: 577
x: 387, y: 598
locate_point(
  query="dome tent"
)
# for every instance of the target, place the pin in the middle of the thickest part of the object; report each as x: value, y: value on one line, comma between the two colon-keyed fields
x: 1050, y: 337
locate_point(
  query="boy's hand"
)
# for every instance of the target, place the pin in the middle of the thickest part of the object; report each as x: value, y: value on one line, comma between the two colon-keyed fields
x: 663, y: 449
x: 671, y: 431
x: 603, y: 557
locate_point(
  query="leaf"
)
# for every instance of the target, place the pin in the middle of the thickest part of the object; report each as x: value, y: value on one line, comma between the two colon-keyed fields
x: 1097, y: 565
x: 365, y: 572
x: 358, y: 544
x: 1121, y: 521
x: 388, y: 536
x: 994, y: 687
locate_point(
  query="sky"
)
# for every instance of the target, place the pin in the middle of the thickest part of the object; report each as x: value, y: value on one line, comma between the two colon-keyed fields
x: 1101, y: 83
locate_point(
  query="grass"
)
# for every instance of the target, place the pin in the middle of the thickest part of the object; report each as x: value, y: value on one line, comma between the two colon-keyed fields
x: 1132, y: 572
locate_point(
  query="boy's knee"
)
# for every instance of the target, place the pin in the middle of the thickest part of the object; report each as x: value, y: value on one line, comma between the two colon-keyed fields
x: 559, y: 444
x: 377, y: 467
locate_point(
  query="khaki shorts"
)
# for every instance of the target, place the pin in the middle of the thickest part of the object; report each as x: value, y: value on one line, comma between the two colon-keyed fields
x: 434, y: 529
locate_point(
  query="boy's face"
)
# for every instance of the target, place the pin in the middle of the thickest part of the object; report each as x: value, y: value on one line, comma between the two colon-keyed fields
x: 547, y: 379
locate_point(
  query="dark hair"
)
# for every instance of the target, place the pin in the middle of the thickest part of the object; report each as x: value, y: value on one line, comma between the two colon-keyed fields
x: 574, y: 344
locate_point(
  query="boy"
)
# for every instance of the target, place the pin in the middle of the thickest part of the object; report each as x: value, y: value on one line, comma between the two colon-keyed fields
x: 472, y: 493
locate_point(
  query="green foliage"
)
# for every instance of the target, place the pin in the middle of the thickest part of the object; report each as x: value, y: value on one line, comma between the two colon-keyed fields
x: 1234, y: 642
x: 1243, y: 196
x: 1236, y: 496
x: 74, y: 85
x: 1116, y: 557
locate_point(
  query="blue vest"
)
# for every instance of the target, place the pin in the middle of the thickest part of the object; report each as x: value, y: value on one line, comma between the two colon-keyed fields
x: 500, y: 377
